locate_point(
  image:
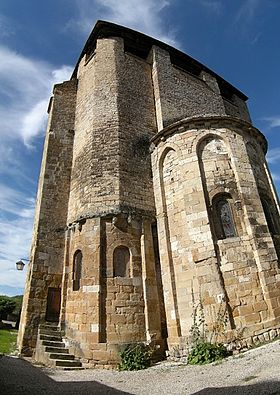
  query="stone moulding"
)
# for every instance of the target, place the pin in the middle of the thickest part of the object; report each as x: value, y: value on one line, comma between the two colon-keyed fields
x: 207, y: 122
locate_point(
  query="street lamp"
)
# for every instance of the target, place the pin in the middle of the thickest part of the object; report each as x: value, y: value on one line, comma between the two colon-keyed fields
x: 20, y: 264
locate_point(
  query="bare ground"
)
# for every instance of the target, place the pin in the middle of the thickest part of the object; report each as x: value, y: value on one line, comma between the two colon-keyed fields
x: 254, y: 372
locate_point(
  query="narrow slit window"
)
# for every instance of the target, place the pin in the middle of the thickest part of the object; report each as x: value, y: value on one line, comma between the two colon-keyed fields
x: 271, y: 217
x: 77, y: 270
x: 226, y: 227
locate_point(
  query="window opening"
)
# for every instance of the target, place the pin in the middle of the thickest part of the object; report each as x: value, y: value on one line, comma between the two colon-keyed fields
x: 77, y: 270
x: 270, y: 218
x: 121, y: 259
x: 225, y: 219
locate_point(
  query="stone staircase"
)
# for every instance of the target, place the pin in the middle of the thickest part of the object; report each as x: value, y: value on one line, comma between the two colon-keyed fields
x: 51, y: 350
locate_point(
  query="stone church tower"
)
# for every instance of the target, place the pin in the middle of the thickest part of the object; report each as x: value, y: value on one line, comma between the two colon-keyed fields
x: 154, y: 195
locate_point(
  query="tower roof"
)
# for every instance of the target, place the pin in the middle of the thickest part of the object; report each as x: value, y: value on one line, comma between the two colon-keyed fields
x: 140, y: 44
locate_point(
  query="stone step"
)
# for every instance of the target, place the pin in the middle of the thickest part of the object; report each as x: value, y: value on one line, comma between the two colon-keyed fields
x: 51, y: 331
x: 50, y: 323
x: 71, y: 368
x: 45, y: 331
x: 55, y: 338
x: 68, y: 364
x: 58, y: 356
x: 52, y: 343
x: 58, y: 350
x: 51, y: 327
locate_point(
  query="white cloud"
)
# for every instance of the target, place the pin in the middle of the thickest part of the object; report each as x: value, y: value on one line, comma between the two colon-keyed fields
x: 215, y: 6
x: 275, y: 176
x: 247, y: 22
x: 273, y: 155
x: 144, y: 16
x: 6, y: 28
x: 15, y: 202
x: 16, y: 220
x: 247, y: 10
x: 26, y: 85
x: 15, y: 239
x: 274, y: 122
x: 11, y: 165
x: 34, y: 122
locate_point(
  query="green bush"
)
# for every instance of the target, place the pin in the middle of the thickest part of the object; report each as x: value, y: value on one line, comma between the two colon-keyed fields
x: 18, y: 301
x: 7, y: 306
x: 206, y: 352
x: 135, y: 357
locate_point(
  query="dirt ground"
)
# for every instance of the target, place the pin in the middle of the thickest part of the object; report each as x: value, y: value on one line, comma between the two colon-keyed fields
x: 254, y: 372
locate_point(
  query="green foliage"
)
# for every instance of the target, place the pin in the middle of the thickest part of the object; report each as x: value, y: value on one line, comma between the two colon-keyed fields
x: 8, y: 340
x: 204, y: 347
x: 7, y: 305
x: 18, y: 301
x: 205, y: 352
x: 135, y: 357
x: 198, y: 328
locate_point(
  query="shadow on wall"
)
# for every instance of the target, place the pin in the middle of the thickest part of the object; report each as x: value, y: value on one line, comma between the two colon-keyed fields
x: 268, y: 388
x: 18, y: 376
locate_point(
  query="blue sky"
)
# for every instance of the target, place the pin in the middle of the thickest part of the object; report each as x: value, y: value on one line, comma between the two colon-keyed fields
x: 40, y: 42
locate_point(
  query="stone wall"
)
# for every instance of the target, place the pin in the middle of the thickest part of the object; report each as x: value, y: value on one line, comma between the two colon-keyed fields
x: 111, y: 147
x: 110, y: 201
x: 109, y: 310
x: 47, y: 249
x: 95, y: 172
x: 239, y: 273
x: 102, y: 194
x: 137, y: 126
x: 179, y: 94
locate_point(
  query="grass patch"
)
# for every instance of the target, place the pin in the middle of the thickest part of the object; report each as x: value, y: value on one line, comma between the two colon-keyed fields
x: 8, y: 340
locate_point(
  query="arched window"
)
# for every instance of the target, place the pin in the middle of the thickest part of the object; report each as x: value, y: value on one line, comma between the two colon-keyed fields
x: 77, y: 270
x: 121, y: 259
x: 224, y: 223
x: 271, y: 217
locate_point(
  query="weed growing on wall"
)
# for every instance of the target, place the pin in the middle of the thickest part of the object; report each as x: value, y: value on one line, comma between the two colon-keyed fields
x: 204, y: 347
x: 199, y: 327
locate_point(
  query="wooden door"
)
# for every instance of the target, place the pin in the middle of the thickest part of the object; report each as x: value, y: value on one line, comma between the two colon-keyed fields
x: 53, y: 304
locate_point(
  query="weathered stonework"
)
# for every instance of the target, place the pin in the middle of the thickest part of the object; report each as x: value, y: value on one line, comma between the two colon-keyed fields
x: 154, y: 196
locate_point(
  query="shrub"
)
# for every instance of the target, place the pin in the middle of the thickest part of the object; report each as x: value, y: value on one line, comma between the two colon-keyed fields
x: 18, y: 301
x: 7, y: 306
x: 203, y: 343
x: 206, y: 352
x: 135, y: 357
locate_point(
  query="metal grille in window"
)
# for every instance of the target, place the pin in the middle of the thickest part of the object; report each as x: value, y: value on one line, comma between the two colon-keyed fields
x: 226, y: 220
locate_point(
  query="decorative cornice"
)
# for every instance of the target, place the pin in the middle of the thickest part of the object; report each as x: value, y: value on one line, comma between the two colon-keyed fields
x: 207, y: 122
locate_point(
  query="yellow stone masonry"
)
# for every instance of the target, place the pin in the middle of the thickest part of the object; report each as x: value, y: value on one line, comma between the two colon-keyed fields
x: 154, y: 198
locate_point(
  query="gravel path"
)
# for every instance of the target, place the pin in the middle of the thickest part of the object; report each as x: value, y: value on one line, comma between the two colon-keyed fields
x: 254, y: 372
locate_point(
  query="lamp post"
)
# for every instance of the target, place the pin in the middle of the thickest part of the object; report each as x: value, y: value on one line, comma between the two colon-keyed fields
x: 20, y: 264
